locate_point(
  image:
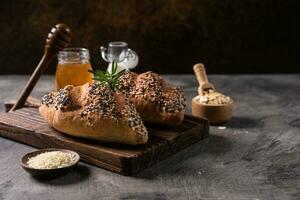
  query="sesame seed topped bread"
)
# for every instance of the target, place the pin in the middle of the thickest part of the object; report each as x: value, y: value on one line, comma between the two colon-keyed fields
x: 95, y: 112
x: 156, y: 101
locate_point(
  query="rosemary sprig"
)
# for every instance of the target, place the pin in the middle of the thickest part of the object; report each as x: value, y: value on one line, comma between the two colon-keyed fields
x: 111, y: 79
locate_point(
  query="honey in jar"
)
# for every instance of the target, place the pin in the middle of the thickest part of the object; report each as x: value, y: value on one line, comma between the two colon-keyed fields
x: 72, y: 68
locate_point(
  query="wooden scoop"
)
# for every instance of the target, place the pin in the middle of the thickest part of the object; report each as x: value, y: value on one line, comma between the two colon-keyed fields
x: 58, y: 39
x: 216, y: 114
x: 201, y: 76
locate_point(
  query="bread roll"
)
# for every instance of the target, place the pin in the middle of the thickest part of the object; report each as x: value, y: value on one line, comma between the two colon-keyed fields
x: 95, y: 112
x: 156, y: 101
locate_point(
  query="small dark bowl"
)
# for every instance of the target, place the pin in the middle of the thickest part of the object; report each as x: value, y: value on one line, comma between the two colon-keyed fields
x: 49, y: 172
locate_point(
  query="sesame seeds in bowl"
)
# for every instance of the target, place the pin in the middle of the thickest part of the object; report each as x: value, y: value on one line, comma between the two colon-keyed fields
x: 49, y: 162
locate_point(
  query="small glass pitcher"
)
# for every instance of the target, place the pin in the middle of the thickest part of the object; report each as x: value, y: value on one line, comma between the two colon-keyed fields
x: 120, y: 53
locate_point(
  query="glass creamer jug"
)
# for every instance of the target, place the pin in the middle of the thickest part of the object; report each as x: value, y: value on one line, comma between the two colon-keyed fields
x: 72, y: 68
x: 120, y: 53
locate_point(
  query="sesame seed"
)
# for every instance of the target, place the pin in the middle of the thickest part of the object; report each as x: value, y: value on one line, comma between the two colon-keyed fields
x: 60, y: 100
x: 149, y: 87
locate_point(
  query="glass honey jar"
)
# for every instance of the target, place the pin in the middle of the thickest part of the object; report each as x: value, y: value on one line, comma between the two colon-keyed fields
x: 72, y: 68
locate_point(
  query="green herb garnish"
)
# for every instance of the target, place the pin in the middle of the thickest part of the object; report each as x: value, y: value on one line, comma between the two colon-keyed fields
x: 111, y: 79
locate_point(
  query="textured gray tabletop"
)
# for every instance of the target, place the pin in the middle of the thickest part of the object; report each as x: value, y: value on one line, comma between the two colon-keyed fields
x: 256, y: 157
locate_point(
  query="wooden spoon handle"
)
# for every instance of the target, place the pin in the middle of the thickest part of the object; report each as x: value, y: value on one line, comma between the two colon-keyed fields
x: 200, y: 73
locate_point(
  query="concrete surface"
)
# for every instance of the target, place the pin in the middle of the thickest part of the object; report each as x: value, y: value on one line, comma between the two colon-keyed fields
x: 256, y: 157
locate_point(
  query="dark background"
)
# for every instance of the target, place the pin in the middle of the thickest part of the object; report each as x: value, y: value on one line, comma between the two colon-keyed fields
x: 228, y: 36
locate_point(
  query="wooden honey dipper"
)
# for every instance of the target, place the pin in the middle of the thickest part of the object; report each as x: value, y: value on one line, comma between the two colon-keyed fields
x: 215, y: 113
x: 58, y: 39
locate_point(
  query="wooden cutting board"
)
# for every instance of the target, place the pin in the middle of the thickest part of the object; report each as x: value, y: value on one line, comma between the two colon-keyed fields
x: 25, y: 125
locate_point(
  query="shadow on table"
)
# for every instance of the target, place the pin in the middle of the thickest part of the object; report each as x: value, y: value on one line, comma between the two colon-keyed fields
x: 144, y: 195
x: 190, y: 159
x: 244, y: 122
x: 78, y: 174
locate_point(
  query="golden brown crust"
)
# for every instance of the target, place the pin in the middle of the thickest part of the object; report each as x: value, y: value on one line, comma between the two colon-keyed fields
x: 92, y: 112
x: 155, y: 100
